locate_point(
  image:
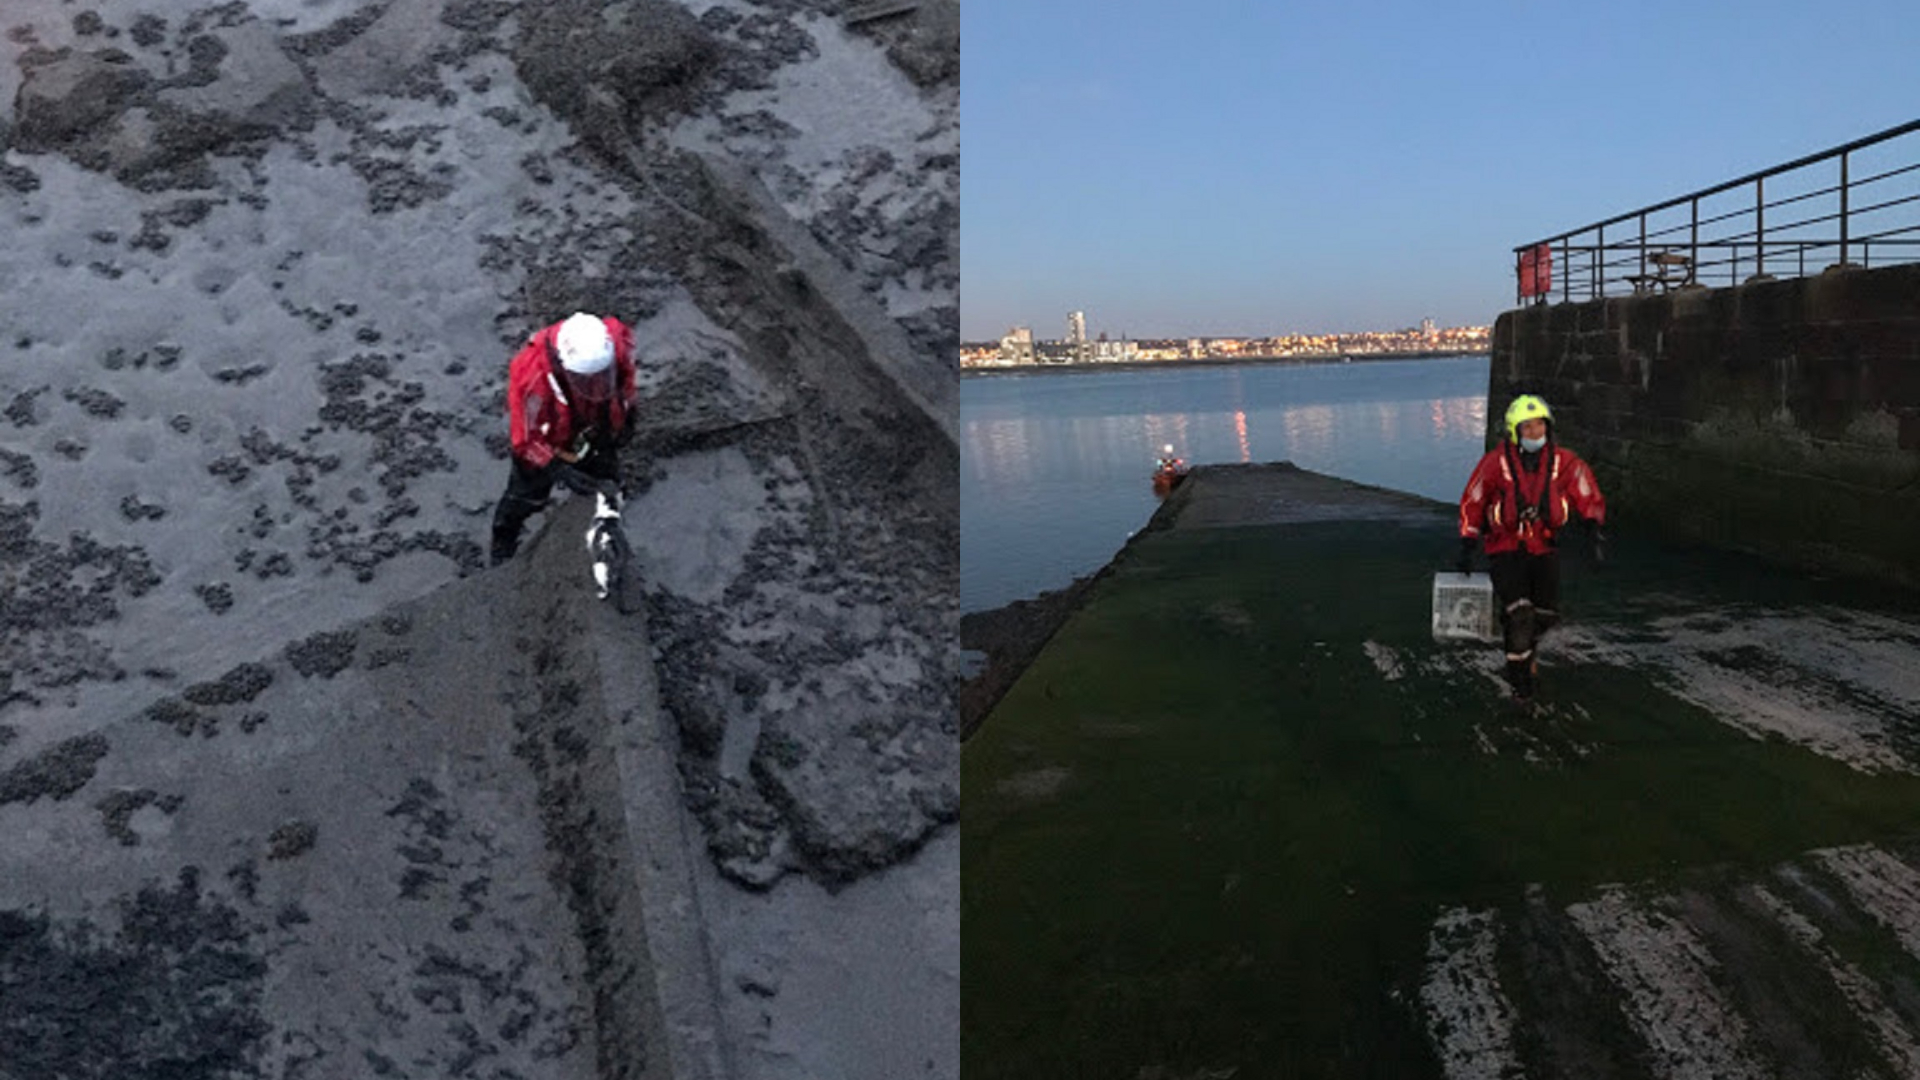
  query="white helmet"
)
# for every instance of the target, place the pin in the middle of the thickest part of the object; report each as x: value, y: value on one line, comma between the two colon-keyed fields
x: 1167, y: 449
x: 584, y: 345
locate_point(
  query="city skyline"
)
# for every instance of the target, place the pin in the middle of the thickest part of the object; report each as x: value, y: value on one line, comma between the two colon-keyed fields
x: 1217, y: 166
x: 1423, y: 323
x: 1018, y: 346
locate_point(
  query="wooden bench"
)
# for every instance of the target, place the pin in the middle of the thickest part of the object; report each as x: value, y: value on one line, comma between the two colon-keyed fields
x: 1670, y: 268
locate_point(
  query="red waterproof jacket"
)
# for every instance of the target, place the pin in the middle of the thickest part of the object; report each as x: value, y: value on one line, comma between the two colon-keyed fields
x: 540, y: 417
x: 1512, y: 507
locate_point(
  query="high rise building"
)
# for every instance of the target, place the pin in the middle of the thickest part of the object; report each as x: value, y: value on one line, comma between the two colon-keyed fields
x: 1426, y: 328
x: 1077, y: 345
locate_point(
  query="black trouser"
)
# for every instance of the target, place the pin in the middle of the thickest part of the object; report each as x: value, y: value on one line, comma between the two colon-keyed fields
x: 527, y: 492
x: 1529, y: 590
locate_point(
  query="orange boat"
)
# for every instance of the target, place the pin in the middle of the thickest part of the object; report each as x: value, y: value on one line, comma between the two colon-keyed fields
x: 1168, y: 472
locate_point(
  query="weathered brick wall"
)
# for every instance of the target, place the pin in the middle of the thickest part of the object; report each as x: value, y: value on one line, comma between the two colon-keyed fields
x: 1778, y: 417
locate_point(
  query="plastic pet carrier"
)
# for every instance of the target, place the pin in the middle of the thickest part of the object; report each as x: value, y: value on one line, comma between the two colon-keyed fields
x: 1463, y: 608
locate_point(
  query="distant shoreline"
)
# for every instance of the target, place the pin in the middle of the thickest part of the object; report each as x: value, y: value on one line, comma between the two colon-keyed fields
x: 1212, y: 361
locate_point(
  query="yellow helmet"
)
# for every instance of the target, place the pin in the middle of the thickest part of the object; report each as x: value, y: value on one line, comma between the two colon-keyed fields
x: 1524, y: 408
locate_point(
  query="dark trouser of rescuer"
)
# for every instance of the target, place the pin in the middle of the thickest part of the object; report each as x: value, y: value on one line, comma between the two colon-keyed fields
x: 1528, y: 589
x: 528, y: 490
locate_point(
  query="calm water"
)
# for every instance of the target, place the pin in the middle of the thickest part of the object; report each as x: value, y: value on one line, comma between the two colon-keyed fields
x: 1054, y: 468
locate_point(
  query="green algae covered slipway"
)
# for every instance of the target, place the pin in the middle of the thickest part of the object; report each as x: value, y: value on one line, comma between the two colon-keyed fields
x: 1242, y: 817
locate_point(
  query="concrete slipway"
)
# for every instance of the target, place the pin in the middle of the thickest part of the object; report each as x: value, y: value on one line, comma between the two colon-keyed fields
x: 1243, y: 818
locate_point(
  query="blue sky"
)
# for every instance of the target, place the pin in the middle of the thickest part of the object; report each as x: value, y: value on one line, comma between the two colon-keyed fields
x: 1218, y: 167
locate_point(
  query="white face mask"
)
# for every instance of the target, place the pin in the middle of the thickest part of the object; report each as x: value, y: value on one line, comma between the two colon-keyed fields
x: 1532, y: 446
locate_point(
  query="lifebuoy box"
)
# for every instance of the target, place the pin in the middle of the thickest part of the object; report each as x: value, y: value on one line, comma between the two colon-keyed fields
x: 1536, y: 271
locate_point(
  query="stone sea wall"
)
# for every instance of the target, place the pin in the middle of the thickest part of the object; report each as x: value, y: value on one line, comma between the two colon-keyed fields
x: 1779, y: 417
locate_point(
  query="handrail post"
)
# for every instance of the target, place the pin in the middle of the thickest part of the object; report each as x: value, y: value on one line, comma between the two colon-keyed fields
x: 1643, y: 245
x: 1759, y: 225
x: 1566, y: 272
x: 1693, y: 241
x: 1843, y: 208
x: 1599, y: 253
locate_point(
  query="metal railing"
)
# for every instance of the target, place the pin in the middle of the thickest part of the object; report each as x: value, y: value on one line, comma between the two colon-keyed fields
x: 1853, y: 205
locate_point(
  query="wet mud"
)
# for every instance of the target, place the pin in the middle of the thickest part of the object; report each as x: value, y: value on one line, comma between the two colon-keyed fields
x: 306, y: 242
x: 173, y: 986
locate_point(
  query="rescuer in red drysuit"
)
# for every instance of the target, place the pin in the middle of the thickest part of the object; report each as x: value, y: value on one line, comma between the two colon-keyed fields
x: 570, y: 399
x: 1520, y: 496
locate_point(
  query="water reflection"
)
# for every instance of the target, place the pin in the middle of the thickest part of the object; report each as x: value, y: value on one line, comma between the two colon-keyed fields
x: 998, y: 451
x: 1309, y: 431
x: 1055, y: 468
x: 1014, y: 451
x: 1166, y: 429
x: 1452, y: 416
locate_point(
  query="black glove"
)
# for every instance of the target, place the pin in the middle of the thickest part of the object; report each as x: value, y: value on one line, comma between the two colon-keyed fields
x: 1464, y: 563
x: 1598, y: 536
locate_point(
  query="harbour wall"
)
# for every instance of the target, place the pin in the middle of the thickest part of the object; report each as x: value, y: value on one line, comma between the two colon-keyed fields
x: 1778, y: 417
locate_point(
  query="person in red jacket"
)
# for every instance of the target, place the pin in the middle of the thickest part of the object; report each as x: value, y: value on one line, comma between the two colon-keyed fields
x: 570, y: 398
x: 1519, y: 498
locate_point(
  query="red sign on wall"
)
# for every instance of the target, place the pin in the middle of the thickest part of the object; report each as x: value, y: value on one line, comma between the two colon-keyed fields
x: 1536, y: 271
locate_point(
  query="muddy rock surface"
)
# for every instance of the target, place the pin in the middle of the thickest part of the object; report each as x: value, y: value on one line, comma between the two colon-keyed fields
x: 267, y: 262
x: 301, y: 867
x: 283, y: 391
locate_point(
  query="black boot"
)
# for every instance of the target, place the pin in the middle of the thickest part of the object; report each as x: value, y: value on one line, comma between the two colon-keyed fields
x: 504, y: 545
x: 1520, y: 677
x: 509, y: 520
